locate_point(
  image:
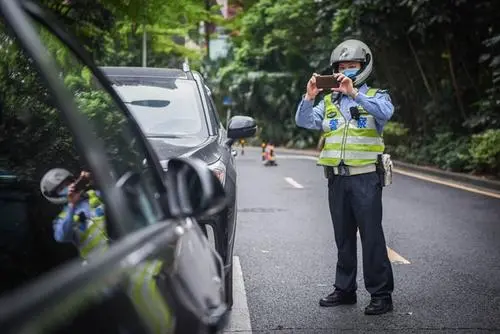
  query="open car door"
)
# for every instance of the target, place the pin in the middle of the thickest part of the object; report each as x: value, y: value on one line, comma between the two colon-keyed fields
x: 158, y: 273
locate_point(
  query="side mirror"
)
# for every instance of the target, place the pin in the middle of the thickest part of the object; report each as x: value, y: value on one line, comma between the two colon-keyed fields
x: 193, y: 190
x: 234, y: 153
x: 241, y: 127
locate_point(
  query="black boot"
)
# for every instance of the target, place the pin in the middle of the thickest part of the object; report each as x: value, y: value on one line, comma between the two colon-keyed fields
x: 379, y: 305
x: 338, y: 297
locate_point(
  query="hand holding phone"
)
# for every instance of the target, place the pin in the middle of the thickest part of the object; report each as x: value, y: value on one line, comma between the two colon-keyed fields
x: 326, y: 82
x: 82, y: 182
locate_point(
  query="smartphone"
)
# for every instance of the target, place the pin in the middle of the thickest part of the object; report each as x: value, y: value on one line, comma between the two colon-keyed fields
x: 81, y: 184
x: 326, y: 81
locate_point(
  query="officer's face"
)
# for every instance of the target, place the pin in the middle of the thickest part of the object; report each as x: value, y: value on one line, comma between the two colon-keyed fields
x: 353, y: 65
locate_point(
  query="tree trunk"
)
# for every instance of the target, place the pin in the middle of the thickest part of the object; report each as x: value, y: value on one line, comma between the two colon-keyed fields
x: 426, y: 83
x: 454, y: 82
x: 421, y: 70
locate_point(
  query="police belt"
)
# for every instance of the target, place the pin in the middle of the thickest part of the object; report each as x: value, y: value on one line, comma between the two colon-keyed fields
x: 349, y: 170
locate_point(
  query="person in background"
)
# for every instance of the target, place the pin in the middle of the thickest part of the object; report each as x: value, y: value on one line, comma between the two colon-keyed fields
x: 242, y: 143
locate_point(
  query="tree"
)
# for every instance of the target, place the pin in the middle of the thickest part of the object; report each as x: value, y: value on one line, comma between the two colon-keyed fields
x: 439, y: 60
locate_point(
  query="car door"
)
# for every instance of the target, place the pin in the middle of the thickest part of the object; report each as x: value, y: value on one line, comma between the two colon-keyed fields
x: 159, y: 273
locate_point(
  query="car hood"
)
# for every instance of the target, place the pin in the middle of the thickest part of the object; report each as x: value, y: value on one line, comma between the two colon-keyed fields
x: 204, y: 148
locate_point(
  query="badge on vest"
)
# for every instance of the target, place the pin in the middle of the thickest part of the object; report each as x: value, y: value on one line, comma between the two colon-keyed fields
x: 331, y: 114
x: 334, y: 124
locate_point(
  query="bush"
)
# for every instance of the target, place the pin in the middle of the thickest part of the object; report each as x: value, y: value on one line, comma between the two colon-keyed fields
x: 396, y: 140
x: 395, y: 134
x: 450, y: 152
x: 485, y: 151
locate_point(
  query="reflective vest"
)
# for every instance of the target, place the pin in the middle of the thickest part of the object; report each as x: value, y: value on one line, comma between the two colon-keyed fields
x: 358, y: 143
x: 93, y: 239
x: 148, y: 299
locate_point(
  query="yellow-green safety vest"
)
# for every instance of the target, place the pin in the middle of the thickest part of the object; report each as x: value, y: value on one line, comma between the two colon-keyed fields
x: 358, y: 143
x: 149, y: 302
x: 94, y: 238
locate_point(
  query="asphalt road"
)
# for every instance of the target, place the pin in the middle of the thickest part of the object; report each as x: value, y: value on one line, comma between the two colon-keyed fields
x: 445, y: 244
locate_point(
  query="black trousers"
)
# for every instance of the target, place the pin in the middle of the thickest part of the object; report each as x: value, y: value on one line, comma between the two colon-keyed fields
x: 356, y: 201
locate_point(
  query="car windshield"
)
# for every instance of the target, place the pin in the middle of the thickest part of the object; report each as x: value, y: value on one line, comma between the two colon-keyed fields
x: 165, y: 108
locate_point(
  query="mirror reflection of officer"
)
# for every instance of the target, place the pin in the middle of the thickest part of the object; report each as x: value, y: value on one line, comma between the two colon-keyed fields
x: 352, y: 118
x: 82, y: 220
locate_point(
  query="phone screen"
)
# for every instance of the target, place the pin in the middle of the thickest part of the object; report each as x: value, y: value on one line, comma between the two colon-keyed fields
x: 326, y: 81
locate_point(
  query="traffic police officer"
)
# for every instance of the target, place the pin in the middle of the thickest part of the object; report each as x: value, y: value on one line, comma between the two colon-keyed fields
x: 352, y: 118
x: 82, y: 220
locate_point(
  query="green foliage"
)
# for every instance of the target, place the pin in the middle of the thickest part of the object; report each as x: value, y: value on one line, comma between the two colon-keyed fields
x: 440, y: 61
x: 395, y: 134
x: 485, y: 150
x: 112, y: 30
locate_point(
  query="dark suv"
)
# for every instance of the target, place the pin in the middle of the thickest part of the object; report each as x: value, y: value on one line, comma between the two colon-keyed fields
x: 158, y: 273
x: 177, y: 114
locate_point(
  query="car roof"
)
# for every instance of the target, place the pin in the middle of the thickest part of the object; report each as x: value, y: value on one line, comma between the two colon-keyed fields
x: 147, y: 72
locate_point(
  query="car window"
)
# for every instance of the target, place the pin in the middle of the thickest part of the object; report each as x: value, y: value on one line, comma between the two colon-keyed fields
x: 125, y: 151
x: 34, y: 139
x: 163, y: 107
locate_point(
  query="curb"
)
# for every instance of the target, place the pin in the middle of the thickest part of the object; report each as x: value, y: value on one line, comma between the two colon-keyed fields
x: 481, y: 182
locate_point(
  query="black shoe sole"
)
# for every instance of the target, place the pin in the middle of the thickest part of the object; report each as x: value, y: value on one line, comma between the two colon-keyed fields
x: 381, y: 311
x: 344, y: 302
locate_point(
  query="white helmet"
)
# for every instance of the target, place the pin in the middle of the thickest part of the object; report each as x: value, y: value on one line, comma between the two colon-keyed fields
x: 52, y: 180
x: 354, y: 50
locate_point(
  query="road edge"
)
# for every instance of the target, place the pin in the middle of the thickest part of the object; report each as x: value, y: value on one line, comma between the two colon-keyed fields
x: 457, y: 177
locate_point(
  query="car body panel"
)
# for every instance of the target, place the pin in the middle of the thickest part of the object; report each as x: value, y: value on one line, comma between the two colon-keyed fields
x: 159, y: 274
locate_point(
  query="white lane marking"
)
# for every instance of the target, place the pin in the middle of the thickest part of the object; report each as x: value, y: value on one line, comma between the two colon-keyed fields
x: 303, y: 157
x: 293, y: 182
x: 239, y: 321
x: 395, y: 257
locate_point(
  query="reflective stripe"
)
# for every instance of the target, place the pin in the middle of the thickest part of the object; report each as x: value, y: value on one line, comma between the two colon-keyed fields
x: 350, y: 155
x: 354, y: 147
x: 92, y: 239
x: 147, y: 298
x: 355, y: 140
